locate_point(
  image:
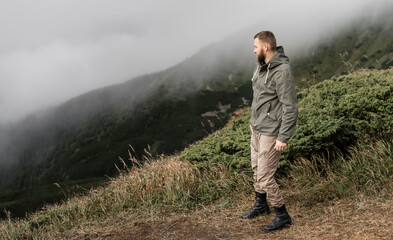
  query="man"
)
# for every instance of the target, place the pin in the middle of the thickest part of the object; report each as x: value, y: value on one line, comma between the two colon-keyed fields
x: 273, y: 120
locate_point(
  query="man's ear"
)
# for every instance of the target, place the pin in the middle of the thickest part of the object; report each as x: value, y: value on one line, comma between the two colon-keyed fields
x: 266, y: 47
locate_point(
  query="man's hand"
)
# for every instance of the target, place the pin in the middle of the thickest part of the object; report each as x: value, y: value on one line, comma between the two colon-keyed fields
x: 251, y: 128
x: 280, y: 146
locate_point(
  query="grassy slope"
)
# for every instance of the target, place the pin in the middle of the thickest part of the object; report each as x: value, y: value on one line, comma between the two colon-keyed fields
x: 349, y: 197
x: 166, y: 119
x: 90, y: 148
x: 171, y: 199
x: 367, y: 218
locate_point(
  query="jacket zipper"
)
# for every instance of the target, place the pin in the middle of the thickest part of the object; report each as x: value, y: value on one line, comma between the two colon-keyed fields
x: 268, y: 66
x: 255, y: 73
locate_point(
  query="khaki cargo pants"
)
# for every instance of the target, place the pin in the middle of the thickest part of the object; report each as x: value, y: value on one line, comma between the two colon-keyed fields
x: 264, y: 162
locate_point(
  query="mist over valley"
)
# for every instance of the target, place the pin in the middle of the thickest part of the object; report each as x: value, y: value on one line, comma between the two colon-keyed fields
x: 79, y: 141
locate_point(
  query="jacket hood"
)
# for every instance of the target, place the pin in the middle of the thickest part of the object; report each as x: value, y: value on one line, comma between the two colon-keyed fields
x: 278, y: 58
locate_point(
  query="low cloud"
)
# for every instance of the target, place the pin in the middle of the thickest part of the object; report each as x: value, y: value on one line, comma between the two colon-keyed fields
x: 51, y: 51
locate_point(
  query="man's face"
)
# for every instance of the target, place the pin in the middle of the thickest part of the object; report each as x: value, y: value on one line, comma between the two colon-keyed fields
x: 259, y: 51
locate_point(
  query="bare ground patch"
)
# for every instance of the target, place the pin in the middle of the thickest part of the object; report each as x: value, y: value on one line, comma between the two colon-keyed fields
x: 365, y: 218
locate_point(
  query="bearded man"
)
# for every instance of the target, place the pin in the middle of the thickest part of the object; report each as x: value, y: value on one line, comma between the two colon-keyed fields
x: 274, y: 113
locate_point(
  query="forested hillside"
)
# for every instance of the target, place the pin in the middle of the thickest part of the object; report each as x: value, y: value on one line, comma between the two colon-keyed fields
x: 79, y: 142
x: 208, y: 186
x: 364, y: 44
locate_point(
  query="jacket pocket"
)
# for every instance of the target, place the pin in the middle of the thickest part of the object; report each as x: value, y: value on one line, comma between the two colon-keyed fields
x: 272, y: 116
x: 262, y: 115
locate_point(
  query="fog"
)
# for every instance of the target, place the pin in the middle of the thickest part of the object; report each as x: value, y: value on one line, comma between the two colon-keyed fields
x: 51, y: 51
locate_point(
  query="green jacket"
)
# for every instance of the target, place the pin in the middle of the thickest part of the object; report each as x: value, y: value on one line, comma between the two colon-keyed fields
x: 274, y: 106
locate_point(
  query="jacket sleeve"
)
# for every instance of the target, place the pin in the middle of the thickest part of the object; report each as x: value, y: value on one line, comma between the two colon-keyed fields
x: 285, y: 88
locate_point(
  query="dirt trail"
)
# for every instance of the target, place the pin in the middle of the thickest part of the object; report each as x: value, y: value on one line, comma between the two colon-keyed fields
x: 370, y: 218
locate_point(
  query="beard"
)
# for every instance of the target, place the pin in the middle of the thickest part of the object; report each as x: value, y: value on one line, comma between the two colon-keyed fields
x: 261, y: 57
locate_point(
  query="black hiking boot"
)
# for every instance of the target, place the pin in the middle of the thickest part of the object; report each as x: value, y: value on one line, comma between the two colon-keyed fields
x: 282, y: 220
x: 260, y: 207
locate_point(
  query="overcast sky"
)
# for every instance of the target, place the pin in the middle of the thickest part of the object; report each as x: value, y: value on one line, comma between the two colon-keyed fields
x: 53, y: 50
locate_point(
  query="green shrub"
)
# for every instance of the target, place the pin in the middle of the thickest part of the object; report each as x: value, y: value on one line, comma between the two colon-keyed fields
x: 230, y: 145
x: 337, y: 113
x: 333, y: 115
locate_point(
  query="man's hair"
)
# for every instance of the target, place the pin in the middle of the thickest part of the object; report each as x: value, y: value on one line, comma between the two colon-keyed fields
x: 267, y: 37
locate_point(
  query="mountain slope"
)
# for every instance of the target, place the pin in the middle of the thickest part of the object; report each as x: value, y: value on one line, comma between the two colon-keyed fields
x: 365, y: 44
x: 166, y: 197
x: 164, y: 111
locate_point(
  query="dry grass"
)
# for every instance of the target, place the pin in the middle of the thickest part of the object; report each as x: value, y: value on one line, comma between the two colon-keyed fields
x: 368, y: 170
x: 166, y: 184
x: 364, y: 218
x: 348, y: 198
